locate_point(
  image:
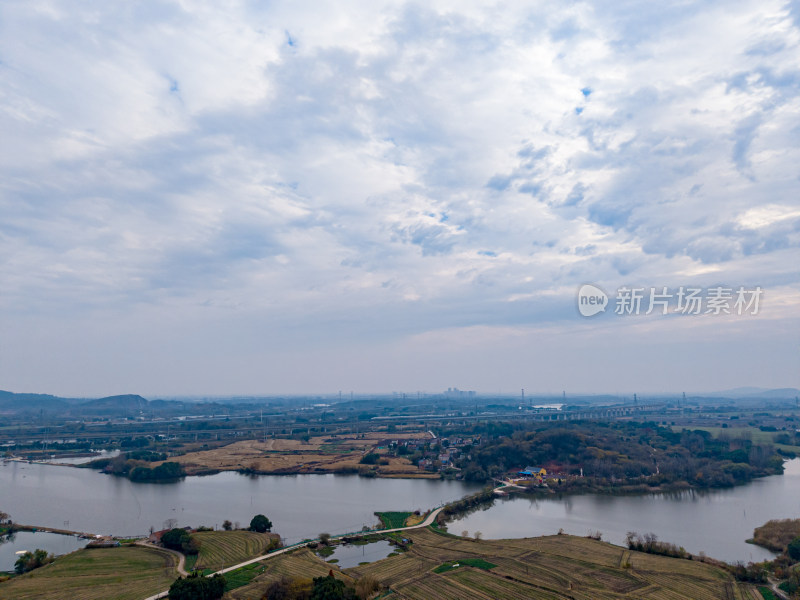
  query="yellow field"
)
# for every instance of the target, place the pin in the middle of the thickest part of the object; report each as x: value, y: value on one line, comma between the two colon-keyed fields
x: 219, y: 549
x: 322, y: 454
x: 126, y: 573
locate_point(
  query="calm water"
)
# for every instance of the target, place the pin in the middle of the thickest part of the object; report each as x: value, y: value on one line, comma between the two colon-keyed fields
x: 84, y: 459
x: 350, y: 555
x: 27, y: 540
x: 716, y: 522
x: 300, y: 506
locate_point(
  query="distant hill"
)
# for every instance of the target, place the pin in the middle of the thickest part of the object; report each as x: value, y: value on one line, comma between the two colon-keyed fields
x: 9, y: 401
x: 115, y: 404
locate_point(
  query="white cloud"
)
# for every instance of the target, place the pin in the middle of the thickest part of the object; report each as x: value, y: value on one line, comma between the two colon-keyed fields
x: 380, y: 171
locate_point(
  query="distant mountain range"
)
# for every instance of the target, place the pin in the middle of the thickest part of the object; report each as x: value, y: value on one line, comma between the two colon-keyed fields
x: 27, y: 403
x: 133, y: 404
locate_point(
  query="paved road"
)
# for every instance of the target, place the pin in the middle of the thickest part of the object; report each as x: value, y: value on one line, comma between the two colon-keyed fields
x: 428, y: 521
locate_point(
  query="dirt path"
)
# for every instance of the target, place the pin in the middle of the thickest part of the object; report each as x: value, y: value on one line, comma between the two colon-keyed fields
x: 181, y: 558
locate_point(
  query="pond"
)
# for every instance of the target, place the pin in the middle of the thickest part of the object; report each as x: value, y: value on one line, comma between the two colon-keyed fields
x: 54, y: 543
x: 352, y: 555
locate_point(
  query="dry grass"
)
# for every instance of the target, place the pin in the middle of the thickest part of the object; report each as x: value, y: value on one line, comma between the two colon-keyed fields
x: 301, y: 563
x: 321, y: 454
x: 776, y: 534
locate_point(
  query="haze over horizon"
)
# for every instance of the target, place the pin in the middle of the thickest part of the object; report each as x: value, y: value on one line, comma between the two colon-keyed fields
x: 248, y: 199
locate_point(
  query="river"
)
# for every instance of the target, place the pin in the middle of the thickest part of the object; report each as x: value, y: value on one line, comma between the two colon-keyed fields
x: 716, y: 522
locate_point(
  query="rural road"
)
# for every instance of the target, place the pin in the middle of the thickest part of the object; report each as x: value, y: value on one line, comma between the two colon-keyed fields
x: 428, y: 520
x: 181, y: 557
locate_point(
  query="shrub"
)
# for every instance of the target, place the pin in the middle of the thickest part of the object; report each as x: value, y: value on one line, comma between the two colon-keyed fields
x: 32, y: 560
x: 197, y: 587
x: 793, y: 549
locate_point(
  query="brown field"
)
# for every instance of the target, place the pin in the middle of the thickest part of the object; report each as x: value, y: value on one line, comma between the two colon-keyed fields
x: 548, y: 567
x: 321, y: 454
x: 301, y: 563
x: 554, y: 567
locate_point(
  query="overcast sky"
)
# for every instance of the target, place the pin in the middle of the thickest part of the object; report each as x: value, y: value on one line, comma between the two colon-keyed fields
x: 294, y: 197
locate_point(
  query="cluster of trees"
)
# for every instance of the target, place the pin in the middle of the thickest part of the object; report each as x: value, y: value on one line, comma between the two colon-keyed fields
x: 135, y: 465
x: 320, y: 588
x: 624, y: 452
x: 167, y: 471
x: 197, y: 587
x: 180, y: 540
x: 32, y: 560
x: 649, y: 543
x: 467, y: 504
x: 370, y: 458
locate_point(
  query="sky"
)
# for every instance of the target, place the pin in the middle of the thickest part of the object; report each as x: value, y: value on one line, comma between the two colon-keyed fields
x: 212, y: 198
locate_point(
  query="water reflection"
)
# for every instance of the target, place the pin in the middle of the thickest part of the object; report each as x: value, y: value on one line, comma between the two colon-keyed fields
x: 714, y: 521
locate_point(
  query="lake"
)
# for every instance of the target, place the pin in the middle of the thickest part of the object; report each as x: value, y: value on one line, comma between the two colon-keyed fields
x: 716, y: 522
x: 299, y: 506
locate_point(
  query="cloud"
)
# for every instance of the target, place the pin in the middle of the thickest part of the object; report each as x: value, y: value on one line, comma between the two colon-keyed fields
x: 384, y: 170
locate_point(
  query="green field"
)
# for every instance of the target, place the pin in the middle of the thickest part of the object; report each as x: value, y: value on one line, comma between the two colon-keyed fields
x: 125, y: 573
x: 392, y: 520
x: 478, y: 563
x: 239, y: 577
x: 220, y: 549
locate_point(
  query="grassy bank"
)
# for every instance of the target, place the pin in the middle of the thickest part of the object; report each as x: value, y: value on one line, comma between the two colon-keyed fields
x: 125, y: 573
x: 393, y: 520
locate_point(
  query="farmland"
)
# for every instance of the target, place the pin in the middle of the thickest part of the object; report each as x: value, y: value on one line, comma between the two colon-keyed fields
x: 224, y: 548
x: 548, y: 567
x: 445, y: 566
x: 126, y: 573
x: 301, y: 563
